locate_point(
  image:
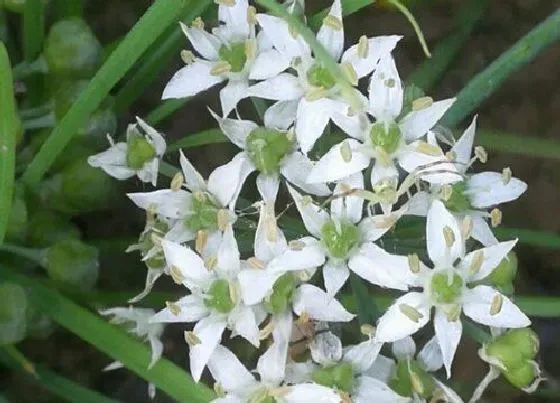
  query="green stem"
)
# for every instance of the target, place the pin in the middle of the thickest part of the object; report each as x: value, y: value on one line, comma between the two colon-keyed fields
x: 165, y: 109
x: 518, y: 144
x: 8, y: 135
x: 158, y: 17
x: 35, y: 255
x: 20, y: 359
x: 33, y: 29
x: 69, y: 8
x: 543, y: 239
x: 210, y: 136
x: 486, y: 82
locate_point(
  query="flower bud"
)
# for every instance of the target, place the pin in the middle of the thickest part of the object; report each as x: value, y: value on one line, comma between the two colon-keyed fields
x: 13, y: 311
x: 72, y: 263
x: 72, y: 50
x: 47, y: 227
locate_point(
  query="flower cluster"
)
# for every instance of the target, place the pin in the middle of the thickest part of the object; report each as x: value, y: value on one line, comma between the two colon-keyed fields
x: 390, y: 163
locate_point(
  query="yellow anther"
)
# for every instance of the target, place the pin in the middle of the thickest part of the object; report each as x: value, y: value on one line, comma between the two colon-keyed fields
x: 234, y: 292
x: 176, y: 275
x: 422, y: 103
x: 446, y: 192
x: 200, y: 196
x: 173, y: 308
x: 346, y: 151
x: 363, y: 47
x: 223, y: 219
x: 219, y: 389
x: 201, y: 240
x: 496, y: 304
x: 450, y: 155
x: 192, y: 339
x: 466, y: 227
x: 271, y: 229
x: 296, y: 245
x: 256, y: 263
x: 349, y: 73
x: 220, y: 68
x: 251, y: 49
x: 211, y: 262
x: 390, y: 83
x: 367, y: 330
x: 187, y: 56
x: 177, y: 182
x: 252, y: 15
x: 476, y: 262
x: 417, y: 384
x: 315, y: 93
x: 198, y: 23
x: 382, y: 156
x: 453, y: 313
x: 267, y: 330
x: 428, y: 149
x: 481, y: 154
x: 410, y: 312
x: 333, y: 22
x: 506, y: 175
x: 414, y: 263
x: 495, y: 217
x: 449, y: 236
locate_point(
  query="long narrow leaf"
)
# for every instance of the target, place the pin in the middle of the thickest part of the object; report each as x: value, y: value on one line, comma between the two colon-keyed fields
x: 519, y: 144
x: 33, y: 29
x: 210, y: 136
x: 8, y: 133
x: 158, y: 17
x: 486, y: 82
x: 348, y: 7
x: 544, y: 239
x: 111, y: 340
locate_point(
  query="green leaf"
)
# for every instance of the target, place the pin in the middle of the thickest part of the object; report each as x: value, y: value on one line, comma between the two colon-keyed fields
x: 112, y: 340
x: 33, y: 29
x: 65, y: 8
x: 8, y: 133
x: 158, y: 17
x: 518, y: 144
x: 203, y: 138
x: 368, y: 312
x: 56, y: 384
x: 486, y: 82
x: 165, y: 109
x: 348, y: 7
x: 544, y: 239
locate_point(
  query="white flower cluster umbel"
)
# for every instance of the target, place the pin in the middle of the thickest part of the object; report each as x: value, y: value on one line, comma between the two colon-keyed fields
x: 389, y: 162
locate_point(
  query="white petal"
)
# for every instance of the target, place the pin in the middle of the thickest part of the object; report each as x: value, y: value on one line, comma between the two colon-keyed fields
x: 166, y: 202
x: 488, y: 189
x: 374, y: 227
x: 228, y: 252
x: 283, y: 87
x: 417, y: 123
x: 311, y: 119
x: 192, y: 309
x: 190, y: 265
x: 385, y: 91
x: 363, y: 355
x: 256, y: 284
x: 281, y: 115
x: 225, y: 182
x: 209, y: 331
x: 348, y: 207
x: 272, y: 364
x: 463, y: 147
x: 203, y: 42
x: 319, y: 305
x: 278, y: 32
x: 149, y: 172
x: 113, y: 162
x: 404, y: 348
x: 382, y: 369
x: 418, y: 204
x: 477, y: 302
x: 326, y: 349
x: 438, y: 219
x: 378, y: 46
x: 243, y: 323
x: 333, y: 39
x: 267, y: 249
x: 481, y: 231
x: 310, y: 392
x: 492, y: 256
x: 190, y: 80
x: 268, y: 64
x: 332, y: 166
x: 368, y: 387
x: 228, y: 371
x: 448, y: 335
x: 151, y: 277
x: 450, y: 395
x: 308, y: 256
x: 267, y: 186
x: 430, y: 356
x: 432, y: 169
x: 232, y: 93
x: 235, y: 19
x: 356, y: 126
x: 313, y: 216
x: 384, y: 172
x: 335, y: 276
x: 295, y: 168
x: 153, y: 136
x: 236, y: 130
x: 379, y: 267
x: 193, y: 180
x: 179, y: 233
x: 395, y: 325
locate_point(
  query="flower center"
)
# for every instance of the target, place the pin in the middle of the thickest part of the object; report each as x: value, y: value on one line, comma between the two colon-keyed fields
x: 266, y: 148
x: 219, y: 297
x: 282, y: 294
x: 446, y: 289
x: 204, y: 213
x: 235, y: 55
x: 388, y: 139
x: 339, y: 238
x: 459, y: 200
x: 139, y: 151
x: 339, y: 376
x: 318, y: 76
x: 410, y: 378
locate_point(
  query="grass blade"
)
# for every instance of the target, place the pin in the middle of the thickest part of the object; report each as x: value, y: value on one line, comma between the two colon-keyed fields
x: 543, y: 239
x: 158, y: 17
x: 56, y: 384
x: 8, y: 134
x: 348, y: 7
x: 210, y: 136
x: 518, y: 144
x: 165, y: 110
x: 33, y: 29
x: 65, y: 8
x: 111, y: 340
x: 486, y: 82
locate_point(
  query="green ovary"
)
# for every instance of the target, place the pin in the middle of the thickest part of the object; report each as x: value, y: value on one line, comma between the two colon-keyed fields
x: 266, y: 148
x: 139, y: 151
x: 339, y: 376
x: 388, y: 140
x: 339, y: 239
x: 235, y: 55
x: 445, y: 291
x: 318, y: 76
x: 218, y: 297
x: 410, y: 378
x: 282, y: 294
x: 458, y: 201
x: 204, y: 214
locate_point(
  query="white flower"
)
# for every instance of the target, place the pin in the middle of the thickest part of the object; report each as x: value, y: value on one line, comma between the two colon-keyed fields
x: 474, y: 196
x: 312, y: 97
x: 450, y: 287
x: 231, y: 53
x: 214, y: 302
x: 240, y: 386
x: 139, y: 156
x: 344, y: 237
x: 143, y: 327
x: 270, y: 151
x: 390, y: 139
